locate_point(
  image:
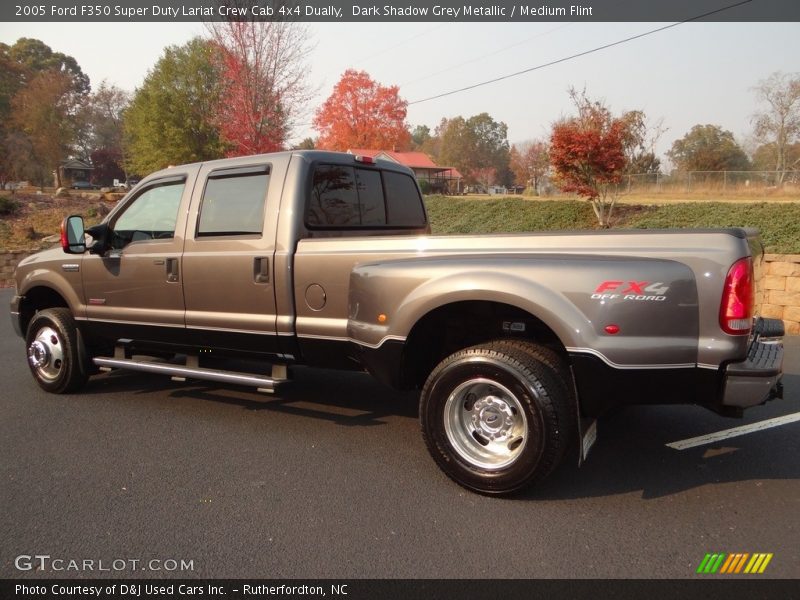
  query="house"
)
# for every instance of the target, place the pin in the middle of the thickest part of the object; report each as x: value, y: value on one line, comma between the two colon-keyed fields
x: 443, y: 180
x: 73, y: 170
x: 497, y: 190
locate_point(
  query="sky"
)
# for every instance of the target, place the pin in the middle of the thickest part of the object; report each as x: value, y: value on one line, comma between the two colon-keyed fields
x: 695, y: 73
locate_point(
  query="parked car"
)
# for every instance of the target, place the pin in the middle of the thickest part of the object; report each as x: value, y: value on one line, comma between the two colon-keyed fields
x: 84, y: 185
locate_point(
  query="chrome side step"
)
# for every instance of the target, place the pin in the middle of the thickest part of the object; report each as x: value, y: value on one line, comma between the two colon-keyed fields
x: 181, y: 372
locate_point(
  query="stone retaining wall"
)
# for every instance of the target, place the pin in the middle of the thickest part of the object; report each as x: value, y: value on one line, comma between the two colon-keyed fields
x: 779, y: 296
x: 782, y: 290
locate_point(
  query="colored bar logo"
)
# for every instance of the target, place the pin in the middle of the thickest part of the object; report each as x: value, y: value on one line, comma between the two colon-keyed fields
x: 733, y: 564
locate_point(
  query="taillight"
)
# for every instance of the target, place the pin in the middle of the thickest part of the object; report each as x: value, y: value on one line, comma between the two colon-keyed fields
x: 738, y: 298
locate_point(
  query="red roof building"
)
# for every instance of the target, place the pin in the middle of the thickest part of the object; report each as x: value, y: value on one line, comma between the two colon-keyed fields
x: 441, y: 179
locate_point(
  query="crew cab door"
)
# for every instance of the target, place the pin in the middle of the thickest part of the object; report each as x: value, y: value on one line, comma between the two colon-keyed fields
x: 228, y: 258
x: 134, y: 288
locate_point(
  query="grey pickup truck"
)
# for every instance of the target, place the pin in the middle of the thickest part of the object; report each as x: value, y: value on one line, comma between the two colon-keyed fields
x: 517, y: 342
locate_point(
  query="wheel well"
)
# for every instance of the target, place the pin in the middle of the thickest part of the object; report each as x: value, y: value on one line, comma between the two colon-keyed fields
x: 36, y: 299
x: 452, y: 327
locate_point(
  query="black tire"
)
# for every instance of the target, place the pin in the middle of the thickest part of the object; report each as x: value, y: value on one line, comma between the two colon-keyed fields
x: 497, y: 417
x: 56, y: 355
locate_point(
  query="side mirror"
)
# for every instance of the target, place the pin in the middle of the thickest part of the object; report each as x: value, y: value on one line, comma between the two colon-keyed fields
x: 72, y: 235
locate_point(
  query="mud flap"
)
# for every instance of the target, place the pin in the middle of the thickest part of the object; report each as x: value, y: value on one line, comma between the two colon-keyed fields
x: 588, y: 436
x: 587, y: 428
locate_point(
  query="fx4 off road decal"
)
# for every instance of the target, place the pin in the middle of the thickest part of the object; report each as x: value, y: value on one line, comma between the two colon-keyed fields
x: 638, y: 291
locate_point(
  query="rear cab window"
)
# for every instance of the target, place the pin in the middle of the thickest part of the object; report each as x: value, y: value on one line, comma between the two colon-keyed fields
x: 352, y: 197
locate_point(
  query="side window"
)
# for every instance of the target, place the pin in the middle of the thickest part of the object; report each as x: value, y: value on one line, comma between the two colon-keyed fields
x: 403, y: 202
x: 152, y: 215
x: 233, y: 203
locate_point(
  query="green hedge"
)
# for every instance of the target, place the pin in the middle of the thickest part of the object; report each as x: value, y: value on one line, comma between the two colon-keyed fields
x: 505, y: 215
x: 779, y: 223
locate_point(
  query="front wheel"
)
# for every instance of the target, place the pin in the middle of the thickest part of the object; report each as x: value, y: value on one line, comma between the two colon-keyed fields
x: 497, y: 417
x: 55, y: 352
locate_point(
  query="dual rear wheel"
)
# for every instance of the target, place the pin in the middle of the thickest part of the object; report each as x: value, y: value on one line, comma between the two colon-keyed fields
x: 499, y: 416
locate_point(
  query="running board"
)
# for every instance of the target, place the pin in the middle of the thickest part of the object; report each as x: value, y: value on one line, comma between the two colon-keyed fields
x: 181, y: 372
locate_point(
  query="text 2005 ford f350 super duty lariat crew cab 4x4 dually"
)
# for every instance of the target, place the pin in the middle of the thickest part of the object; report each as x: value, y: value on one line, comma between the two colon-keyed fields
x: 517, y: 341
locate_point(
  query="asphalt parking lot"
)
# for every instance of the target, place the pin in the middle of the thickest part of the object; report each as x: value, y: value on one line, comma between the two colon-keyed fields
x: 330, y: 478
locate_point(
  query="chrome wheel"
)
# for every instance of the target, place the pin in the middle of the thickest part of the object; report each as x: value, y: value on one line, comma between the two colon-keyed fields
x: 46, y: 354
x: 485, y: 423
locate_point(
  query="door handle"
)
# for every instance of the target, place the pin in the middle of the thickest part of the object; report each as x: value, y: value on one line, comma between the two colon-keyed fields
x: 173, y: 274
x: 261, y: 269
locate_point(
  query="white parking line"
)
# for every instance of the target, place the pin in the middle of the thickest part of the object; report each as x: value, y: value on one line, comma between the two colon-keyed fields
x: 734, y: 432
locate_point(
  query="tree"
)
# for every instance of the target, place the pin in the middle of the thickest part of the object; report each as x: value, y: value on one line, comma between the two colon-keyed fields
x: 361, y: 113
x: 779, y: 123
x: 9, y: 85
x: 529, y: 162
x: 306, y: 144
x: 640, y: 142
x: 101, y: 132
x: 588, y: 154
x: 10, y: 81
x: 478, y: 147
x: 18, y: 161
x: 764, y: 157
x: 171, y: 119
x: 107, y: 107
x: 107, y: 166
x: 43, y: 110
x: 99, y: 121
x: 419, y: 136
x: 708, y: 148
x: 24, y: 69
x: 263, y: 82
x: 35, y: 57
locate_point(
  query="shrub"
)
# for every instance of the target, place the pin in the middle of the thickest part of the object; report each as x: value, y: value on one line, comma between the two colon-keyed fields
x: 8, y: 206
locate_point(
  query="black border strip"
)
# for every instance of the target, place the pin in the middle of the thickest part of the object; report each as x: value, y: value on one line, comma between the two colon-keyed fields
x: 484, y: 11
x: 744, y: 587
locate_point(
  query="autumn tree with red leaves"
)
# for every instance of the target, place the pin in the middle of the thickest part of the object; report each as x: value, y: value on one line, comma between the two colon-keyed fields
x: 588, y: 153
x: 361, y: 113
x: 529, y: 162
x: 263, y: 69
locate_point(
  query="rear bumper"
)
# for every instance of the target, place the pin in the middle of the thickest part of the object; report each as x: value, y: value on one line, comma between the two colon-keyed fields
x: 758, y: 378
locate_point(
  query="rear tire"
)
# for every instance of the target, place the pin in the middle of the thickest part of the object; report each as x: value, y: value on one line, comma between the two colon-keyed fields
x: 497, y: 417
x: 56, y: 355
